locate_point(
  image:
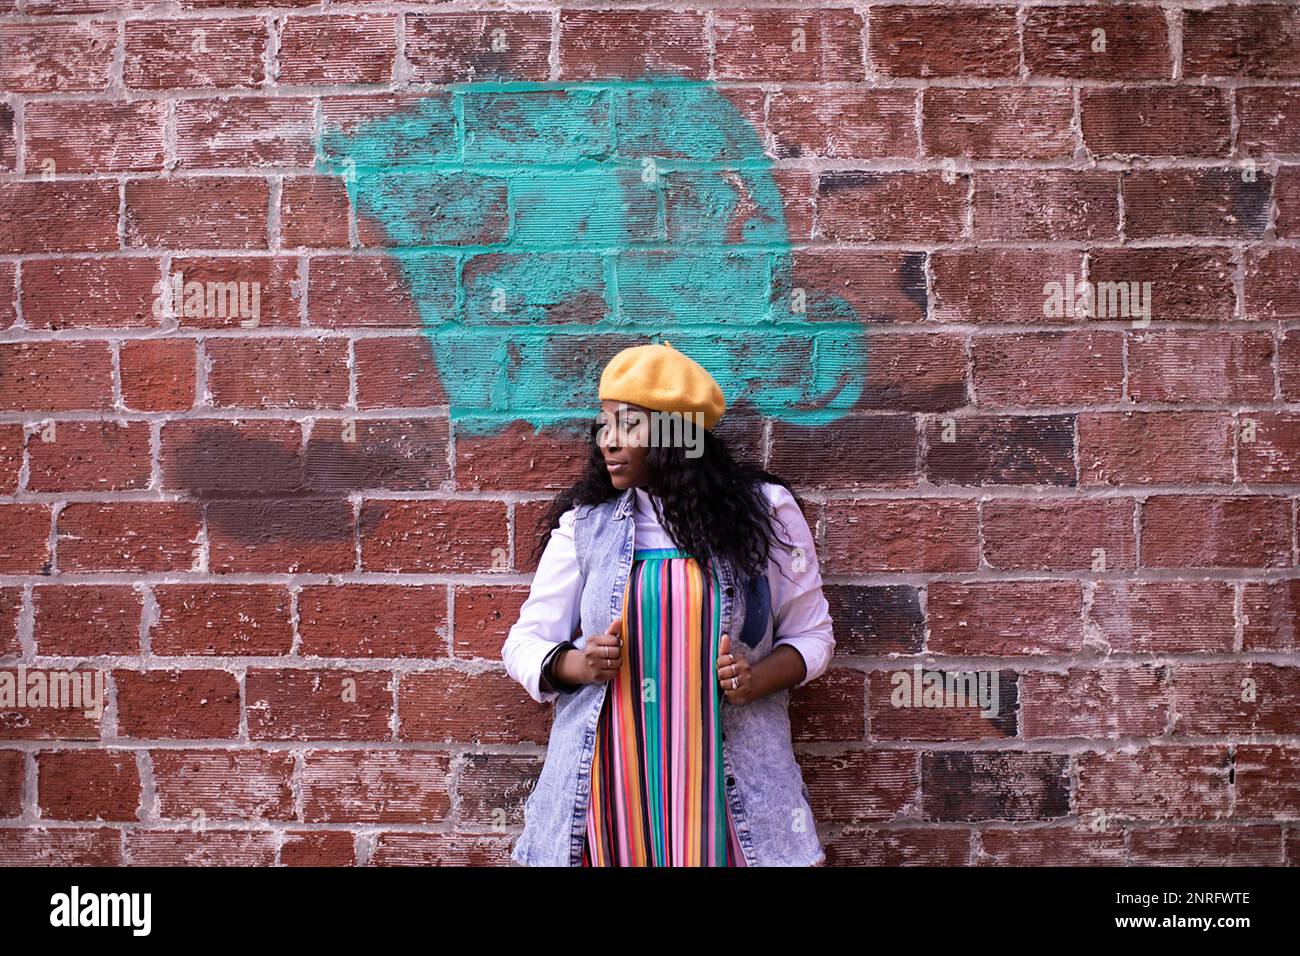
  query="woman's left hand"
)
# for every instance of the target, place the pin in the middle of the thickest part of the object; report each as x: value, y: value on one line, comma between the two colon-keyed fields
x: 734, y: 675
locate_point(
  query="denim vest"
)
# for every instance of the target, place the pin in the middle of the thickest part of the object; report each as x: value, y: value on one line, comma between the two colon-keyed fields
x: 764, y: 787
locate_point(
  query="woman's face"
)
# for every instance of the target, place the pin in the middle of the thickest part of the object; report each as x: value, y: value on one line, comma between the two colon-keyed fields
x: 623, y: 435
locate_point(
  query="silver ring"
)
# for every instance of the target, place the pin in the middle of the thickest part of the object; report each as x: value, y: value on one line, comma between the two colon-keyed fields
x: 733, y: 683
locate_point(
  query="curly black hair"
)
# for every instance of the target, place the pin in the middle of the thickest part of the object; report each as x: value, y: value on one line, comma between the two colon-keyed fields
x: 711, y: 503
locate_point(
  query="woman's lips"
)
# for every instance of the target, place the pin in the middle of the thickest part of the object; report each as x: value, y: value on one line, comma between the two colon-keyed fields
x: 616, y: 467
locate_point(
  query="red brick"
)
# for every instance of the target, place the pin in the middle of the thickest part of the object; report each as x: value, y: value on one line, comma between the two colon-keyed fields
x: 943, y: 41
x: 467, y: 47
x: 244, y: 132
x: 278, y: 372
x: 1180, y: 365
x: 918, y: 534
x: 876, y: 619
x: 90, y: 456
x: 58, y: 216
x: 1286, y: 195
x: 25, y: 539
x: 1268, y: 780
x: 1271, y: 288
x: 485, y: 708
x: 998, y: 285
x: 1047, y: 368
x: 372, y: 620
x: 1134, y: 448
x: 82, y: 137
x: 1032, y: 123
x: 1186, y: 284
x: 12, y: 770
x: 1059, y: 41
x: 433, y: 536
x: 1270, y: 613
x: 238, y: 620
x: 8, y: 294
x: 12, y: 440
x: 851, y: 452
x: 314, y: 212
x: 891, y: 206
x: 994, y: 785
x: 1051, y: 846
x: 517, y: 458
x: 1269, y: 118
x: 1004, y: 618
x: 484, y: 616
x: 87, y: 621
x: 376, y: 786
x: 177, y: 705
x: 55, y: 376
x: 632, y: 44
x: 1195, y: 844
x: 392, y: 453
x: 344, y: 49
x: 195, y: 848
x: 158, y: 375
x: 924, y: 373
x: 1048, y: 205
x: 911, y: 846
x: 1156, y: 121
x: 1114, y: 702
x: 197, y: 213
x: 1157, y: 783
x: 61, y: 846
x: 763, y: 45
x: 432, y: 848
x: 8, y: 139
x: 153, y: 536
x: 81, y: 293
x: 374, y: 290
x: 1236, y: 697
x: 319, y: 704
x: 842, y: 124
x: 1249, y: 40
x: 962, y: 719
x: 88, y: 785
x: 247, y: 785
x: 73, y: 720
x: 318, y: 848
x: 1207, y: 531
x: 884, y: 287
x: 308, y: 536
x: 1273, y: 456
x: 56, y: 57
x: 178, y: 54
x: 1001, y: 450
x: 1288, y: 361
x: 1059, y: 535
x: 1195, y: 202
x: 1163, y: 617
x: 233, y: 459
x: 11, y: 605
x: 265, y: 286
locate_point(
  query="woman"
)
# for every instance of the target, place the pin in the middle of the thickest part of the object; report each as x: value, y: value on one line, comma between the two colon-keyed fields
x: 671, y: 740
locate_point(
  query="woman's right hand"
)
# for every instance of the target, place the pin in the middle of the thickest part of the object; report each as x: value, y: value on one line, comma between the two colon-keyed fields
x: 597, y: 661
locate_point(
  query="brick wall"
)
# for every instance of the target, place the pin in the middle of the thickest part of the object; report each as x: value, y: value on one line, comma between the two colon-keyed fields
x: 293, y: 537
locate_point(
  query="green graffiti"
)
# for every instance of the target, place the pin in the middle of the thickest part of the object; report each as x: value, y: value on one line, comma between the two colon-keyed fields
x: 574, y: 219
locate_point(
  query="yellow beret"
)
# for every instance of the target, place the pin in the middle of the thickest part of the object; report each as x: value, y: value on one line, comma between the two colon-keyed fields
x: 661, y: 378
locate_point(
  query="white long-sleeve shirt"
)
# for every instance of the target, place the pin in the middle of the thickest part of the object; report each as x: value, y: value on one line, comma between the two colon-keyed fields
x: 800, y: 614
